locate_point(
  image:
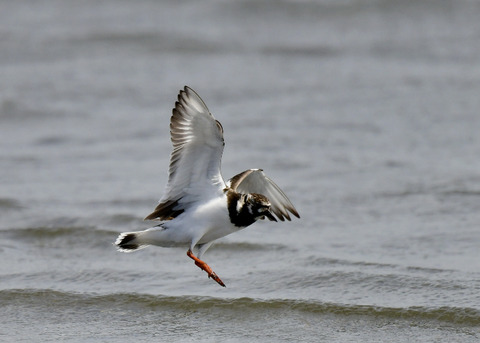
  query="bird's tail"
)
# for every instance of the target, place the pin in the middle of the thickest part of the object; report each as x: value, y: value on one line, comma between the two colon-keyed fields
x: 130, y: 241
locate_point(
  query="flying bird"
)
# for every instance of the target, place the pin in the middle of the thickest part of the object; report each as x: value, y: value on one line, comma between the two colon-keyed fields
x: 198, y: 206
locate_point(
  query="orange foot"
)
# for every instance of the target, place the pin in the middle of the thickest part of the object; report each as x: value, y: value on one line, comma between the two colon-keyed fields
x: 202, y: 265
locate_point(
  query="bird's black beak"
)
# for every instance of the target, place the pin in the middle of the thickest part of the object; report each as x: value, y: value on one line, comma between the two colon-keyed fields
x: 270, y: 216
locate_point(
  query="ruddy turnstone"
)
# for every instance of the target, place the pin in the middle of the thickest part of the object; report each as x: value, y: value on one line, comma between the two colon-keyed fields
x: 198, y: 206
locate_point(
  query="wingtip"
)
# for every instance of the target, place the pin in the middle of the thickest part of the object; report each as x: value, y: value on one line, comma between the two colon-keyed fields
x: 295, y: 213
x: 182, y: 93
x: 189, y: 90
x: 286, y: 215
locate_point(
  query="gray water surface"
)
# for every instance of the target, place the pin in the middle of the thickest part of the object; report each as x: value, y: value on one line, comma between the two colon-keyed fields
x: 365, y: 112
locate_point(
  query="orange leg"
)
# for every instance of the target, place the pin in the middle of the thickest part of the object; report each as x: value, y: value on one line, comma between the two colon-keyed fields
x: 202, y: 265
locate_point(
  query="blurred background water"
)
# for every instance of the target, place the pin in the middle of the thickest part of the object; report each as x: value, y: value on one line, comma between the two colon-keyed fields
x: 366, y: 112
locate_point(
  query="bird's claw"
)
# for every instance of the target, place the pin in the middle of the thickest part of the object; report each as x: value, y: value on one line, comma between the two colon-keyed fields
x: 216, y: 278
x: 204, y: 266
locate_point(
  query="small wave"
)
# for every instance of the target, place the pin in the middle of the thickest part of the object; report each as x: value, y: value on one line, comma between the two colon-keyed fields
x: 37, y: 297
x: 53, y: 232
x: 325, y: 261
x: 52, y: 140
x: 124, y: 220
x: 130, y: 202
x: 462, y: 193
x: 151, y: 41
x: 62, y: 236
x: 15, y: 110
x: 247, y: 246
x: 307, y: 51
x: 7, y: 204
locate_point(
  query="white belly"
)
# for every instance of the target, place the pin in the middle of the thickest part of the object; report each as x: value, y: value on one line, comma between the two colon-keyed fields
x: 214, y: 220
x: 202, y: 224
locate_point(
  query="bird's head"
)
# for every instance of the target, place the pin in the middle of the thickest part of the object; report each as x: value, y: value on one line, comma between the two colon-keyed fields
x: 259, y: 206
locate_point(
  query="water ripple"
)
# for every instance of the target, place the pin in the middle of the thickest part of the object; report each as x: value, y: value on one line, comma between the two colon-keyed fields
x: 57, y: 299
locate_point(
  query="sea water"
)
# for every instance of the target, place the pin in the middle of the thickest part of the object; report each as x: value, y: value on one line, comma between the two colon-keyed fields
x: 365, y: 112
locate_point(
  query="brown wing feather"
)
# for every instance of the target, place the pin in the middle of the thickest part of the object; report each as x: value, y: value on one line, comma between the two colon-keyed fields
x: 237, y: 179
x: 165, y: 211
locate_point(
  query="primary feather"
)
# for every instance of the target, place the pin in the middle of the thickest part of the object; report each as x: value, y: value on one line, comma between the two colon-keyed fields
x: 197, y: 140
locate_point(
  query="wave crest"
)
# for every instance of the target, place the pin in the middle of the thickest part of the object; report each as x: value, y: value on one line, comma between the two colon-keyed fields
x: 32, y: 297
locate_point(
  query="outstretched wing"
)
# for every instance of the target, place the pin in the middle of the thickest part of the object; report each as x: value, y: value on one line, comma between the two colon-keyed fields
x: 255, y: 181
x: 194, y: 171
